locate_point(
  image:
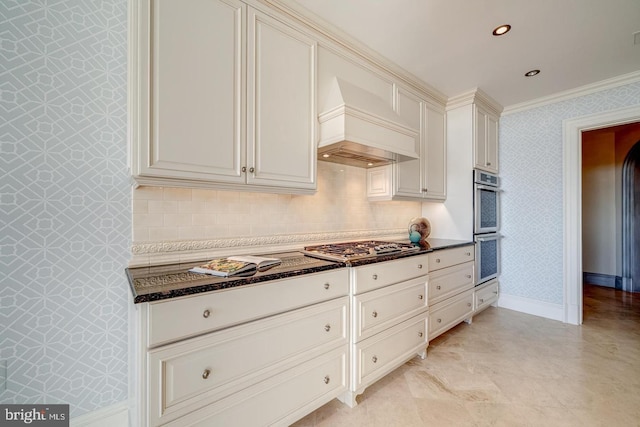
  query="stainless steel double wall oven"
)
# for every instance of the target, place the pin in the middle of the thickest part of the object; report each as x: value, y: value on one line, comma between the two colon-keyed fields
x: 486, y: 224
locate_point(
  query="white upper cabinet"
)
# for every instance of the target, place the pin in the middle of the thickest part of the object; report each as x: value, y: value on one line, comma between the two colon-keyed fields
x: 486, y: 139
x: 222, y: 96
x: 281, y: 106
x: 423, y: 178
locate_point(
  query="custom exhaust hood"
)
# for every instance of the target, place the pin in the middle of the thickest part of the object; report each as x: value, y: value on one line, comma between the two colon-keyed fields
x: 358, y: 128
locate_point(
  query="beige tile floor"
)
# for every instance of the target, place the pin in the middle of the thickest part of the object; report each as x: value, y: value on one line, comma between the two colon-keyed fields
x: 512, y: 369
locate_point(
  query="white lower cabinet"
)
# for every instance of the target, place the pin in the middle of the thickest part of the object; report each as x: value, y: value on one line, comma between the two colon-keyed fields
x: 269, y: 361
x: 451, y: 294
x: 449, y: 313
x: 486, y: 295
x: 389, y: 316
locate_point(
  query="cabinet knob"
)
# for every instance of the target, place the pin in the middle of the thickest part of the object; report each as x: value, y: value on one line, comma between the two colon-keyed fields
x: 375, y: 277
x: 206, y: 374
x: 425, y: 190
x: 327, y: 379
x: 244, y: 169
x: 420, y: 334
x: 327, y: 327
x: 439, y: 320
x: 374, y: 314
x: 468, y: 254
x: 438, y: 260
x: 468, y: 276
x: 488, y: 163
x: 374, y: 359
x: 495, y: 292
x: 252, y: 170
x: 481, y: 300
x: 419, y: 266
x: 327, y: 285
x: 438, y: 287
x: 468, y: 304
x: 421, y: 296
x: 206, y: 313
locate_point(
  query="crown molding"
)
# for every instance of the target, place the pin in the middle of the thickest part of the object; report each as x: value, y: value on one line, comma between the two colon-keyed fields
x: 472, y: 96
x: 611, y: 83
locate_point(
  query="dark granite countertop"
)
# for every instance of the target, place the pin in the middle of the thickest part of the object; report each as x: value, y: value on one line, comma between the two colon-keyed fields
x: 174, y: 280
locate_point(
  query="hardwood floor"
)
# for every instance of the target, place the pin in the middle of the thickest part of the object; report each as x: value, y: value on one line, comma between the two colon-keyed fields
x: 512, y: 369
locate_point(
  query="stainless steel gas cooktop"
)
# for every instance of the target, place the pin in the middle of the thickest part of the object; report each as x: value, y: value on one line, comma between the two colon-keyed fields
x: 351, y: 251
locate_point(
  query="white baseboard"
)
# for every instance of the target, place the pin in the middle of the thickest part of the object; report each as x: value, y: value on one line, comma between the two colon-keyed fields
x: 531, y: 306
x: 110, y: 416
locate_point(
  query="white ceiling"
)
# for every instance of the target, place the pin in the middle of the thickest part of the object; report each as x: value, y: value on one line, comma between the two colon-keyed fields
x: 448, y: 43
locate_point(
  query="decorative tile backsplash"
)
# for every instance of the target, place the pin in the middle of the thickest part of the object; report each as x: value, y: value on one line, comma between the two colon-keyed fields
x: 339, y: 206
x: 531, y: 173
x: 65, y: 214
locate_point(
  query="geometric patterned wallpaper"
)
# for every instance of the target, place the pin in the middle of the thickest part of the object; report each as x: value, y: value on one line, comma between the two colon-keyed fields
x: 531, y: 173
x: 65, y: 215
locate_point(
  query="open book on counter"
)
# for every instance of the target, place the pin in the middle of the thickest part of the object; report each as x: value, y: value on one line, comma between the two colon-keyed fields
x: 236, y: 265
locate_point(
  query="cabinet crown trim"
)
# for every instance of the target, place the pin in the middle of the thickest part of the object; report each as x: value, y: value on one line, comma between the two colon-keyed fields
x: 475, y: 96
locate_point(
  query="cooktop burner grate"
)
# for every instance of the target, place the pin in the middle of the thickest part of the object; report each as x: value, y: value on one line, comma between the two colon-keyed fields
x: 350, y: 251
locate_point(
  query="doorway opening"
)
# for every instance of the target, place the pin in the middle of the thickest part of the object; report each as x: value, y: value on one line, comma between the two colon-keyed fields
x: 572, y: 200
x: 631, y: 220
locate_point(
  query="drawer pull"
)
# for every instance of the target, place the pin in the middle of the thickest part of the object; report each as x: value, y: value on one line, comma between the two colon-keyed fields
x: 374, y: 314
x: 374, y: 359
x: 438, y: 287
x: 327, y: 327
x: 206, y: 314
x: 375, y: 277
x: 420, y: 266
x: 327, y: 286
x: 206, y: 374
x: 481, y: 300
x: 420, y: 296
x: 495, y: 292
x: 327, y: 379
x: 420, y: 334
x: 438, y: 260
x: 439, y: 320
x: 468, y: 254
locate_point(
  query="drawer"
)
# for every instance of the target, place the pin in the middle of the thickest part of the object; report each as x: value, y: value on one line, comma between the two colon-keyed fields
x: 182, y: 376
x: 378, y: 310
x: 447, y: 314
x: 485, y: 295
x: 174, y: 319
x: 380, y: 274
x: 279, y: 400
x: 450, y: 281
x: 380, y: 354
x: 448, y: 257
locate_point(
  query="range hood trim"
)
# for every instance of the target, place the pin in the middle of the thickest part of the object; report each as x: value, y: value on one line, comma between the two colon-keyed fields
x: 352, y: 129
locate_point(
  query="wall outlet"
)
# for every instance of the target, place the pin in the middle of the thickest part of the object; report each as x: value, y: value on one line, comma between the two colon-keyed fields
x: 3, y: 375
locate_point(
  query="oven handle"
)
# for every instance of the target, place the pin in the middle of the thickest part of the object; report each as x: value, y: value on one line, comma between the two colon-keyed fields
x: 488, y: 188
x: 486, y: 239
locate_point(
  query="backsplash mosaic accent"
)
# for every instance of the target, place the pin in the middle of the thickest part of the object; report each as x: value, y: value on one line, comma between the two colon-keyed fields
x: 65, y: 215
x: 532, y: 202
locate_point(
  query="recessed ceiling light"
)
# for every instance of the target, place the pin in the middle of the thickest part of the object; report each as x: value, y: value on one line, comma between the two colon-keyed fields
x: 502, y: 29
x: 532, y: 73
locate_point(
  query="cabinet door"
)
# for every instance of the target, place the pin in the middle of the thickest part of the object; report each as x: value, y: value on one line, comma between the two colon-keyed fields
x: 192, y: 124
x: 492, y: 144
x: 408, y: 174
x: 480, y: 134
x: 281, y: 112
x: 434, y: 155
